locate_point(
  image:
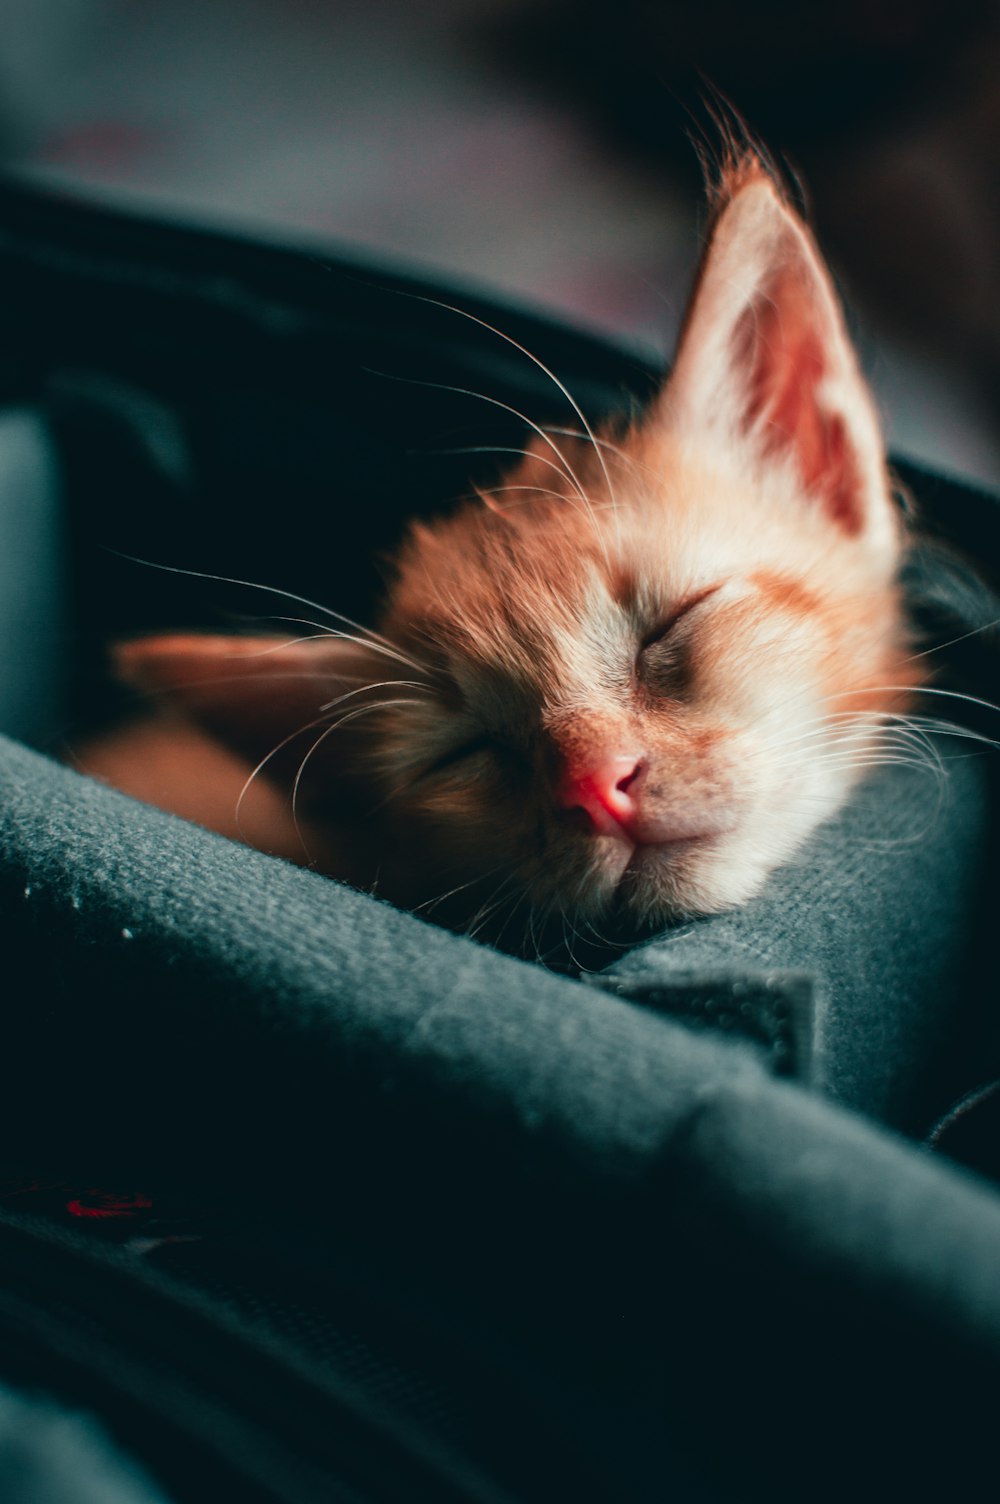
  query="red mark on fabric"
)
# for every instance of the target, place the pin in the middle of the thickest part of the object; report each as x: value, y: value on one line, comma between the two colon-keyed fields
x: 108, y: 1204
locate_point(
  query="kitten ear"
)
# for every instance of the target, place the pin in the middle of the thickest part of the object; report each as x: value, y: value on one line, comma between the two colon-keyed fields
x: 765, y: 368
x: 252, y: 692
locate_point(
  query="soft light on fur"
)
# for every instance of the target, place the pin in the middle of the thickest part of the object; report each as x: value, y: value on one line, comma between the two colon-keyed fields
x: 628, y: 683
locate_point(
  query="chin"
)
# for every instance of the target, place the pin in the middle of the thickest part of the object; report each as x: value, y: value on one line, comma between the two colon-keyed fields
x: 663, y: 887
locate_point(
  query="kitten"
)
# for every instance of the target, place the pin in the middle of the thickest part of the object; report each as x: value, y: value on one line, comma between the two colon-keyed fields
x: 622, y: 687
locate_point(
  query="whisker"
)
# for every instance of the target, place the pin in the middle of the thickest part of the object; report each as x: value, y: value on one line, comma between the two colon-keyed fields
x: 586, y: 506
x: 299, y: 731
x: 940, y: 647
x: 539, y: 364
x: 616, y: 449
x: 369, y: 637
x: 430, y: 904
x: 485, y: 912
x: 380, y: 684
x: 181, y: 685
x: 324, y: 634
x: 515, y: 900
x: 512, y: 449
x: 486, y: 496
x: 462, y: 391
x: 928, y: 689
x: 343, y: 720
x: 904, y: 738
x: 871, y: 730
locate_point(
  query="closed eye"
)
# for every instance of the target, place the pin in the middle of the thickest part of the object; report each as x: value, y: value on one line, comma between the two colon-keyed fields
x: 464, y: 750
x: 668, y: 623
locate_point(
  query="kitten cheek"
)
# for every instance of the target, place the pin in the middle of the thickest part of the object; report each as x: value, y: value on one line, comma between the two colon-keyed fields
x: 470, y: 798
x: 464, y: 820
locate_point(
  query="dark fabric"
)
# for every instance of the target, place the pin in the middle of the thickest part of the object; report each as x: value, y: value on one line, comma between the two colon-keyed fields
x: 612, y: 1204
x: 649, y: 1264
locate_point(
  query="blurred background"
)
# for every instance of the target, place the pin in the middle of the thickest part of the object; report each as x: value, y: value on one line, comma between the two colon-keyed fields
x: 540, y: 149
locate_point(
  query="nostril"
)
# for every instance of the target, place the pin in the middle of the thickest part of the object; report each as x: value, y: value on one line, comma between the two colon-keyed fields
x: 625, y: 783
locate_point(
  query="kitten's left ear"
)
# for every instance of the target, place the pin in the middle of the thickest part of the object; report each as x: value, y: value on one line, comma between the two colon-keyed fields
x: 255, y: 695
x: 766, y: 372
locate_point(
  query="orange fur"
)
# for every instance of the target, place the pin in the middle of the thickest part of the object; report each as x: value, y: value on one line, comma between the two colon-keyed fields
x: 631, y: 681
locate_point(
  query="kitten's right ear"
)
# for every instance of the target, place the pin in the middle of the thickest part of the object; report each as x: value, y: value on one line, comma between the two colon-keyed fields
x: 766, y: 373
x: 252, y: 692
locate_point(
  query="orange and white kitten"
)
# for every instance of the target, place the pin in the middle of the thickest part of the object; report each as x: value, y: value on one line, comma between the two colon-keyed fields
x: 621, y: 688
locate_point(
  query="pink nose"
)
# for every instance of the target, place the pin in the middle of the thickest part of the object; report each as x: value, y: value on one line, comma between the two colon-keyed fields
x: 602, y: 792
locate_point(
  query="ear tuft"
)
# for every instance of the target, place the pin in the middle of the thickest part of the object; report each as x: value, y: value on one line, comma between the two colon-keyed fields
x: 743, y: 163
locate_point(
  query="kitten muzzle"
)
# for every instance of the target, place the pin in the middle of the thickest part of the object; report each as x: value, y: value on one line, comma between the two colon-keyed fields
x: 611, y: 799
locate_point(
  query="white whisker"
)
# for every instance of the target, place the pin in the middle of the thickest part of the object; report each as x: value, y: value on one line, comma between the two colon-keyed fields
x: 540, y: 365
x: 367, y: 638
x: 285, y: 741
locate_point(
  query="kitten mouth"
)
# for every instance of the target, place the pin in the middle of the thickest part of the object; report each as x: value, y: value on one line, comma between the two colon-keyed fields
x: 648, y: 854
x: 678, y: 843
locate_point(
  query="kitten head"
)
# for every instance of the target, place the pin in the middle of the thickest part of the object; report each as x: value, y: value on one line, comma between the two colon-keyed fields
x: 630, y: 681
